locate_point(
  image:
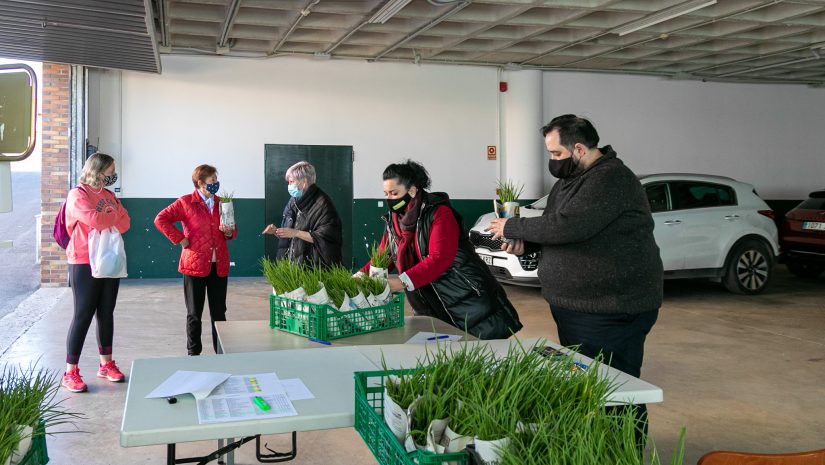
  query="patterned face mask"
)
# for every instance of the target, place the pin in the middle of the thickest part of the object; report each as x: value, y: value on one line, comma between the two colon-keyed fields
x: 213, y: 188
x: 109, y: 180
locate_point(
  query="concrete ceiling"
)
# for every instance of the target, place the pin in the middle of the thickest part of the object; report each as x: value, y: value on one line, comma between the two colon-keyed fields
x: 733, y: 40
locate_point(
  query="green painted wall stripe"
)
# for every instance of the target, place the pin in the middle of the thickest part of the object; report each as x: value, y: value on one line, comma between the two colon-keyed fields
x: 151, y: 255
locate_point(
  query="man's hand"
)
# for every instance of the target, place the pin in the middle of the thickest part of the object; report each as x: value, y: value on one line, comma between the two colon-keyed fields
x: 497, y: 228
x: 517, y: 248
x: 395, y: 284
x: 269, y: 229
x: 184, y: 243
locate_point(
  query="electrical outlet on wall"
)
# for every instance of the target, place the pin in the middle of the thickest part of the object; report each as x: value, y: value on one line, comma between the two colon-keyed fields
x: 380, y: 204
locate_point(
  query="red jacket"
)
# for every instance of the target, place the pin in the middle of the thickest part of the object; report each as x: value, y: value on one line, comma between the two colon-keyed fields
x: 442, y: 248
x: 201, y: 228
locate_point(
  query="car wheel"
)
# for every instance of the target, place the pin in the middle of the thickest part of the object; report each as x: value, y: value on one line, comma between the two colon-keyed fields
x: 805, y: 269
x: 749, y: 268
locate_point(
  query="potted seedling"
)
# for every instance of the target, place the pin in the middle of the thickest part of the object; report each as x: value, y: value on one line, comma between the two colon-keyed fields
x: 379, y: 261
x: 508, y: 196
x: 399, y: 393
x: 428, y: 415
x: 28, y: 406
x: 228, y: 209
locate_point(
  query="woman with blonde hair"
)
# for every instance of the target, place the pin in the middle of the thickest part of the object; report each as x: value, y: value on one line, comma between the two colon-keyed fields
x: 92, y: 206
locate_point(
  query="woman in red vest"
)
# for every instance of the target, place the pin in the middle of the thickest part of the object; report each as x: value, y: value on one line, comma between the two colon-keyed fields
x: 204, y: 258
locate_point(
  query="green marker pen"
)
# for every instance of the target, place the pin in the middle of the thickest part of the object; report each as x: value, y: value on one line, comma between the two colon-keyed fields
x: 261, y: 403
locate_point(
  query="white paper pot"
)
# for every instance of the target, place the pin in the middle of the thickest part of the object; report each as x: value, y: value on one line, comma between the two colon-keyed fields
x: 409, y: 443
x: 321, y: 297
x: 228, y: 214
x: 378, y: 272
x: 434, y: 434
x: 359, y: 300
x: 297, y: 294
x: 490, y: 451
x: 23, y: 446
x: 454, y: 442
x: 385, y: 296
x: 396, y: 418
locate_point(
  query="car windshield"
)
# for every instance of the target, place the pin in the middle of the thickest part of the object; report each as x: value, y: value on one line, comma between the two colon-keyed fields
x: 814, y: 203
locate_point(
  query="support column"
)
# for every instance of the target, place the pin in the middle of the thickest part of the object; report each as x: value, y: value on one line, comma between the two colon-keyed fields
x: 55, y: 170
x: 523, y: 159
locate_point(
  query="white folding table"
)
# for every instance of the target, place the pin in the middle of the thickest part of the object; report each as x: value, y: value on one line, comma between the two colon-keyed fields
x: 328, y: 372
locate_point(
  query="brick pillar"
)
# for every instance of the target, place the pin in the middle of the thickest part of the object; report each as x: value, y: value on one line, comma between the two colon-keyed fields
x: 54, y: 179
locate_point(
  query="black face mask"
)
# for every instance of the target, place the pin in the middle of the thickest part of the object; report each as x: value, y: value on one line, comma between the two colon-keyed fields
x: 563, y: 168
x: 398, y: 205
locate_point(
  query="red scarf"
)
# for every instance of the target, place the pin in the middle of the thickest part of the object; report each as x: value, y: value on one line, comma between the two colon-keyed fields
x: 405, y: 227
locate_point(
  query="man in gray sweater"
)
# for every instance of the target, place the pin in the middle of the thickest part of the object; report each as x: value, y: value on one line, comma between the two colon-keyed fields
x: 600, y: 268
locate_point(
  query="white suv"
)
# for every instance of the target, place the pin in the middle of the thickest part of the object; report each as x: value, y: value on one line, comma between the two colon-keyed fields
x: 706, y: 227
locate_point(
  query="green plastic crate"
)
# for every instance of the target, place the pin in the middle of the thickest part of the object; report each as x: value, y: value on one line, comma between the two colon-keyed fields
x: 326, y: 323
x: 37, y: 454
x: 369, y: 422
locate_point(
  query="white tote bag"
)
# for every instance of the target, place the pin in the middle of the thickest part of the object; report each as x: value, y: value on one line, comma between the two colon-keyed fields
x: 107, y: 256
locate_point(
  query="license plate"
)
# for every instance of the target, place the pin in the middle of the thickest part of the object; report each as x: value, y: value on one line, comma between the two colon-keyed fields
x: 814, y: 225
x: 488, y: 259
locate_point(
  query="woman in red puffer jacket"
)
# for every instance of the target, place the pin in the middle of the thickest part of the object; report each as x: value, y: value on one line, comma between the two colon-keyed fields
x: 204, y: 258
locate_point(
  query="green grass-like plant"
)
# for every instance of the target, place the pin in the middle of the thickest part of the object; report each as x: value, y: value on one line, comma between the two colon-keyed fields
x: 27, y: 397
x: 282, y: 274
x: 509, y: 191
x: 553, y: 411
x: 370, y: 285
x: 227, y: 197
x: 379, y: 258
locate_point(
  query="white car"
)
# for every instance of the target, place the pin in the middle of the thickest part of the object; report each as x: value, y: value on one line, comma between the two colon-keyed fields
x: 706, y: 227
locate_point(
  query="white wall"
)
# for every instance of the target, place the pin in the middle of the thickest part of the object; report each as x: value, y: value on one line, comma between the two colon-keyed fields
x: 771, y: 136
x: 223, y: 111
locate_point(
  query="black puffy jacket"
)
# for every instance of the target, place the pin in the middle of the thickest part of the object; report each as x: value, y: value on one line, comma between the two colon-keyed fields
x: 467, y: 295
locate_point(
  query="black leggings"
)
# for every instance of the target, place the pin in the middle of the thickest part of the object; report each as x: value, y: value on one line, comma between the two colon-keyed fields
x: 93, y: 297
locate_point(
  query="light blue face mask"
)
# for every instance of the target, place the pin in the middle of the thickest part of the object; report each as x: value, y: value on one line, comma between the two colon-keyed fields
x: 293, y: 190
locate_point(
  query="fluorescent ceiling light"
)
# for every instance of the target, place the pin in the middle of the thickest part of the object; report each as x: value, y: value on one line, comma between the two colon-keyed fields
x: 388, y: 11
x: 662, y: 16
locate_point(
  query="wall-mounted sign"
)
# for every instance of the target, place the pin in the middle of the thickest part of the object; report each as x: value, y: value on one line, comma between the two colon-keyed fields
x: 491, y: 152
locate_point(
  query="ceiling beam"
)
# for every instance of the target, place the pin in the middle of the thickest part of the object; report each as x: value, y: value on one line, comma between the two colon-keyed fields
x: 302, y: 13
x: 422, y: 29
x: 231, y: 14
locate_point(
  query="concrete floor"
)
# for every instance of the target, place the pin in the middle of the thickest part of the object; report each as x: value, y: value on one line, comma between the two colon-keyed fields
x: 741, y: 373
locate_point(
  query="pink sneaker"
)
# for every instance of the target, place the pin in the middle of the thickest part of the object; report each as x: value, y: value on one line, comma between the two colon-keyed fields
x: 110, y: 371
x: 73, y: 381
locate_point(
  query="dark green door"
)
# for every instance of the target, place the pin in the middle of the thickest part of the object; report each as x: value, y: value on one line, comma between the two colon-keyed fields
x: 333, y: 169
